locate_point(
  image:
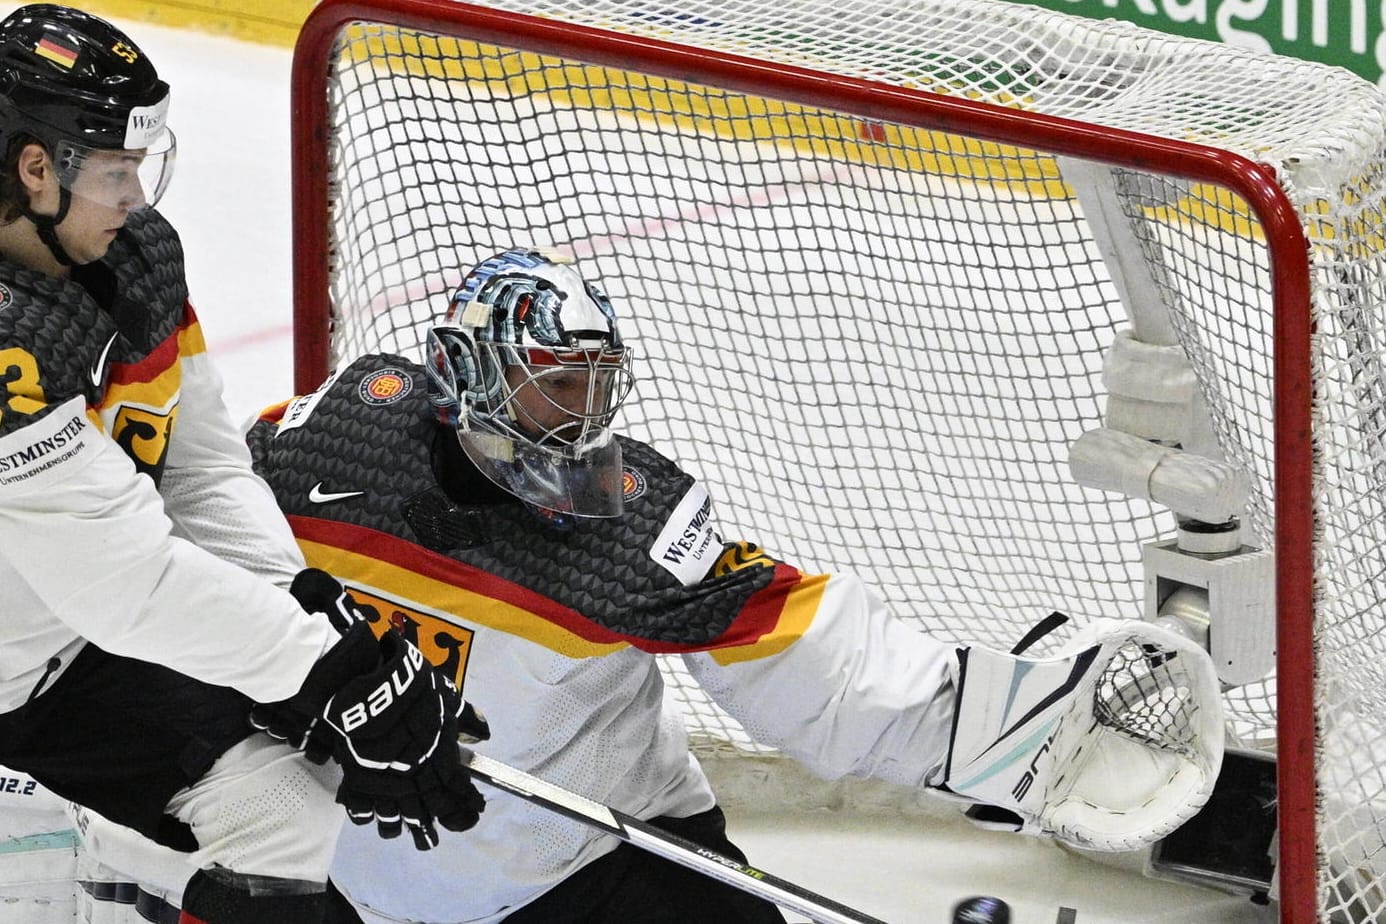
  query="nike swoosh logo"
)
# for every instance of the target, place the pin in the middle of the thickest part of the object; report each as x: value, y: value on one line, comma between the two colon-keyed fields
x: 98, y: 371
x: 318, y: 496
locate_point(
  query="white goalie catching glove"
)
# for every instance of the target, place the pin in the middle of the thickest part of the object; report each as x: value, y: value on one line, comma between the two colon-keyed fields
x: 1110, y: 744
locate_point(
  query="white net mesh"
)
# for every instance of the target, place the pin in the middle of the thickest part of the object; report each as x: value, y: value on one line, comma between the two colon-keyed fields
x: 876, y: 343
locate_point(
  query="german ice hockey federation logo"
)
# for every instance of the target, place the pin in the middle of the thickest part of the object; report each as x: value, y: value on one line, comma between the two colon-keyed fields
x: 632, y: 484
x: 6, y: 297
x: 385, y: 386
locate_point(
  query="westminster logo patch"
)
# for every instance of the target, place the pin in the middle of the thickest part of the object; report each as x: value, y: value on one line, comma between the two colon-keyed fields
x: 385, y: 386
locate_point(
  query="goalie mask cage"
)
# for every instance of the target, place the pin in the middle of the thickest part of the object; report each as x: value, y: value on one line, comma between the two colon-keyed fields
x: 872, y: 314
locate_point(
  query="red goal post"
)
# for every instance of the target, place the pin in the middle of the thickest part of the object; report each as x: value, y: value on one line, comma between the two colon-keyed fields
x: 322, y: 139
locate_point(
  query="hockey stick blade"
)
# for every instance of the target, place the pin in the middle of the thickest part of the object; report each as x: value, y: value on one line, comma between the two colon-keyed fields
x: 661, y: 843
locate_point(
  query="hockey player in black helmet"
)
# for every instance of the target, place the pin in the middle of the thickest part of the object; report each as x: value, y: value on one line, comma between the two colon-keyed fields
x: 157, y: 611
x: 79, y: 100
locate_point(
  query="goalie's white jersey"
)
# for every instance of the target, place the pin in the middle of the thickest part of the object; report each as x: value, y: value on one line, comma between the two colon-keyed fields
x: 601, y: 726
x: 553, y: 633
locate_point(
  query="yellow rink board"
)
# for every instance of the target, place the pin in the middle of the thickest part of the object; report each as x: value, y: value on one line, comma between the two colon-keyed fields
x: 269, y: 22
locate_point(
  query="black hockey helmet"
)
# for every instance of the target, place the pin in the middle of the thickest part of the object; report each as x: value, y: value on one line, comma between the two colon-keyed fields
x: 68, y: 76
x: 81, y: 86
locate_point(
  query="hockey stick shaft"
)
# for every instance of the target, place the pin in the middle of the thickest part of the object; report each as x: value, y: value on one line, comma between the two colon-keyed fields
x: 671, y: 847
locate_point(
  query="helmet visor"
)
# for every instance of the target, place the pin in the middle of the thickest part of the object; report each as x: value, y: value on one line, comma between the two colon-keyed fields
x: 118, y: 178
x: 584, y: 481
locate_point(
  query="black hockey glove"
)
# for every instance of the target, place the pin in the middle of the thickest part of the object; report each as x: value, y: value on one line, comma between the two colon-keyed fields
x: 395, y: 728
x: 317, y: 592
x: 392, y: 722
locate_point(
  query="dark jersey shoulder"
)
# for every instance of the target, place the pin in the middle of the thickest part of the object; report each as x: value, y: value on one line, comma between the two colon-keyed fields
x: 151, y: 281
x: 57, y: 336
x: 364, y: 450
x: 356, y: 450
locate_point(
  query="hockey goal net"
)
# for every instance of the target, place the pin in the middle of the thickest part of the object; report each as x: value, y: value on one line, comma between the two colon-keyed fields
x: 874, y: 256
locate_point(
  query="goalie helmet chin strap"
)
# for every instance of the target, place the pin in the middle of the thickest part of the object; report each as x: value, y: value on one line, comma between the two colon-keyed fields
x: 47, y: 226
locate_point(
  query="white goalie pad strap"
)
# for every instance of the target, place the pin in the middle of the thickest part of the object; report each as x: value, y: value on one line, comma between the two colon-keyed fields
x: 1110, y: 744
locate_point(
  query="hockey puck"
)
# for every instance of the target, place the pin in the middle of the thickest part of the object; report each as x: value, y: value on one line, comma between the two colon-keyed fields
x: 981, y: 909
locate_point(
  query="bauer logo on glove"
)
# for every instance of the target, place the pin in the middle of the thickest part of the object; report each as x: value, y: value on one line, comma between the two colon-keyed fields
x: 388, y: 718
x: 383, y: 696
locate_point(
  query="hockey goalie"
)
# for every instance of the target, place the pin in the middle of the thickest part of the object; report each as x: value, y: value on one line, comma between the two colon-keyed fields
x: 543, y: 561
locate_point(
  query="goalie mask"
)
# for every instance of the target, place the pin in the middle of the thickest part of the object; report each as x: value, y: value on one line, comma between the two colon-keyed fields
x: 529, y: 369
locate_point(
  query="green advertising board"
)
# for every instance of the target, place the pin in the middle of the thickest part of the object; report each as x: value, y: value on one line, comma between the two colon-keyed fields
x: 1348, y: 33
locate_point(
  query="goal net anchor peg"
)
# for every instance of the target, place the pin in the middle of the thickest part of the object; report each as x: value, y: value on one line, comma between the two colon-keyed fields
x: 1225, y: 601
x: 1205, y: 582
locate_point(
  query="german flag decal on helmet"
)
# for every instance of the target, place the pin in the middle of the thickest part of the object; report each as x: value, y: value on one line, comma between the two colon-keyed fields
x: 56, y: 50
